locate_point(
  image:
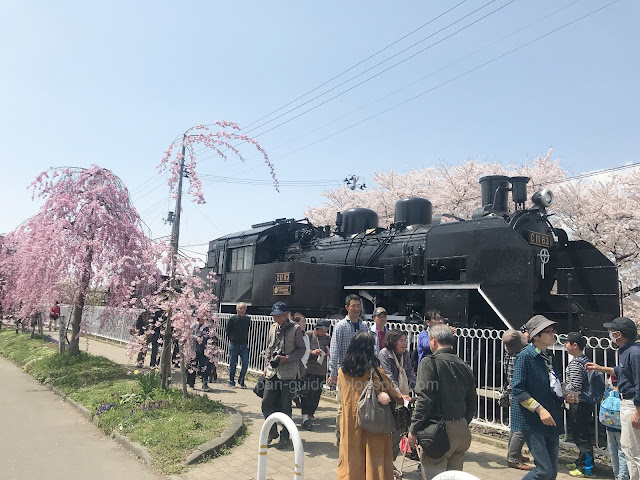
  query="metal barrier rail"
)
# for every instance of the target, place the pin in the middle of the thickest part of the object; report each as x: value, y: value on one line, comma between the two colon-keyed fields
x: 294, y: 435
x: 482, y: 349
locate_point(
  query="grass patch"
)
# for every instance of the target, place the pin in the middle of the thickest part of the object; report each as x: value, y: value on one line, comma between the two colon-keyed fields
x: 168, y: 424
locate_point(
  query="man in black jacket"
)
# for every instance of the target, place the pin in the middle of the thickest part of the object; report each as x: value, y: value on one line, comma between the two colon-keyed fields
x: 238, y: 333
x: 448, y: 392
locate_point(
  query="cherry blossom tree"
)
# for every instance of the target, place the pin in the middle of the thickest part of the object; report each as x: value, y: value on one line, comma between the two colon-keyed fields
x: 452, y: 189
x: 227, y: 139
x: 605, y: 211
x: 86, y: 234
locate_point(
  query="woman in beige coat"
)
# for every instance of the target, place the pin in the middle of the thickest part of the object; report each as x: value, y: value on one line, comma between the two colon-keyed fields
x: 363, y: 455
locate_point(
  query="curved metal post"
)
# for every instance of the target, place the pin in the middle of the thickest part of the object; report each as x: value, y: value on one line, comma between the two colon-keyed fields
x: 298, y: 450
x: 455, y: 475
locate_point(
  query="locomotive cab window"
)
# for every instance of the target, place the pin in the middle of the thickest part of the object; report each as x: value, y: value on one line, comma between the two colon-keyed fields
x: 240, y: 259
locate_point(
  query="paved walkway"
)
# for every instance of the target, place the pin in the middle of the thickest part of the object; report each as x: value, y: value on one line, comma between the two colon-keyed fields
x: 42, y: 437
x: 483, y: 460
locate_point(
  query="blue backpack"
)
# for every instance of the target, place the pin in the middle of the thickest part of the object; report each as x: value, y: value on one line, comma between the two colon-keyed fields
x: 610, y: 409
x: 593, y: 390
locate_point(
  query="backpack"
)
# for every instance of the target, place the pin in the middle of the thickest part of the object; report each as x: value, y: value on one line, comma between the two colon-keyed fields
x: 593, y: 390
x: 610, y: 410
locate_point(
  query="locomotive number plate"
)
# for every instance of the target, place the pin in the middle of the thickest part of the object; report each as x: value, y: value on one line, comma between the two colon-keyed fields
x: 540, y: 239
x: 282, y: 289
x: 284, y: 277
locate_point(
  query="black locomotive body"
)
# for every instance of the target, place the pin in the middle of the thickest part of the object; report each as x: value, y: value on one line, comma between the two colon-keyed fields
x: 495, y: 270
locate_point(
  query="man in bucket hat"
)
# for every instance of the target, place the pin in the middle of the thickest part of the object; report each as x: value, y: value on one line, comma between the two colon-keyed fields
x: 537, y: 398
x: 624, y: 332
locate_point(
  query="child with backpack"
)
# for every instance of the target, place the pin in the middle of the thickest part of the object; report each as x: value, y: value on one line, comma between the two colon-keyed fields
x: 610, y: 418
x: 590, y: 388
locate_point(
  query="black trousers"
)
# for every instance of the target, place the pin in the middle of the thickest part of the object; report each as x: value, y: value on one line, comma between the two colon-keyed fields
x: 154, y: 349
x: 581, y: 422
x: 314, y: 384
x: 200, y: 365
x: 277, y: 398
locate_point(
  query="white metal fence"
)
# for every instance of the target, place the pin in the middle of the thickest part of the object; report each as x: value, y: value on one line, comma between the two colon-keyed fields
x: 482, y: 349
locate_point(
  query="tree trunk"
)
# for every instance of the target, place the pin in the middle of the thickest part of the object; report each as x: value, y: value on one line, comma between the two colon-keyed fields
x: 183, y: 372
x: 165, y: 360
x: 81, y: 294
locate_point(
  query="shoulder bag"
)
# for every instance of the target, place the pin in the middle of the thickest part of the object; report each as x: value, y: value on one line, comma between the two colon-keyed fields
x: 433, y: 437
x: 372, y: 415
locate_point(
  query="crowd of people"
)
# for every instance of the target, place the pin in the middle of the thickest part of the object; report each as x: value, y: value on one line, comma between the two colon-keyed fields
x: 432, y: 391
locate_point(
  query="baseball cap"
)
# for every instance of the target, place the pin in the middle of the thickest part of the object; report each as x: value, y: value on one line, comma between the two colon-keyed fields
x: 575, y: 337
x: 279, y: 308
x: 323, y: 324
x: 379, y: 311
x: 537, y: 323
x: 513, y: 341
x: 624, y: 325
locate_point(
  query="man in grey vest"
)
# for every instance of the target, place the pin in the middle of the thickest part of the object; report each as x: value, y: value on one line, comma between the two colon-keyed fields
x: 284, y: 368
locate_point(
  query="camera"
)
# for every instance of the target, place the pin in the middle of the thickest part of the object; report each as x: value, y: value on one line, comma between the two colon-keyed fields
x: 275, y: 359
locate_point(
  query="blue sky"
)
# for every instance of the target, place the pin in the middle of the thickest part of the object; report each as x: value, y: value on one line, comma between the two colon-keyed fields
x: 114, y: 82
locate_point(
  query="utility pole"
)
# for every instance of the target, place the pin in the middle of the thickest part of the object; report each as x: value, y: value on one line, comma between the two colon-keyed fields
x: 175, y: 236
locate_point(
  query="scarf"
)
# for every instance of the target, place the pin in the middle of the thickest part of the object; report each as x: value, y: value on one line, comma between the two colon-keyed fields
x: 403, y: 381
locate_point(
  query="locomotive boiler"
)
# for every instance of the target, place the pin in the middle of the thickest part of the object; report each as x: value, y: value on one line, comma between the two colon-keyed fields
x: 496, y: 269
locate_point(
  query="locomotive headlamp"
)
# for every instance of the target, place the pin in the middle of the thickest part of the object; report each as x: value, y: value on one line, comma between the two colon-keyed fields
x: 543, y: 198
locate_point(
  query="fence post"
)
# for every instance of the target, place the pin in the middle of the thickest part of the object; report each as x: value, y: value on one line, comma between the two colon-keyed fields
x: 298, y: 450
x: 62, y: 335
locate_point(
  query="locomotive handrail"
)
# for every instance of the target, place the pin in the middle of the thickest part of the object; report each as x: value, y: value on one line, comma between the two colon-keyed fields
x: 298, y: 450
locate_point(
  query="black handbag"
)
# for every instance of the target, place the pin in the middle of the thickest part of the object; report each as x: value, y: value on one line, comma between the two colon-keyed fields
x: 433, y: 437
x: 403, y: 418
x: 259, y: 388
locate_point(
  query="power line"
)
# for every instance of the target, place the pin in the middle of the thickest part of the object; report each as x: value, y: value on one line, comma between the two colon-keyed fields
x: 371, y: 68
x: 358, y: 64
x: 380, y: 63
x: 439, y: 85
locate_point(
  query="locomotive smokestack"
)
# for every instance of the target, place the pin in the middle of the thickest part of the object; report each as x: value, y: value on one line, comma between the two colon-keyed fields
x: 495, y: 192
x: 519, y: 191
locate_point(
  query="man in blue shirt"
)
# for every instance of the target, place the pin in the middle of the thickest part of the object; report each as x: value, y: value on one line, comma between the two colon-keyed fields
x: 624, y: 332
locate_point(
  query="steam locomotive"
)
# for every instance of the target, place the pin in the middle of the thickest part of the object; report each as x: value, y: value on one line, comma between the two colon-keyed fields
x: 494, y: 270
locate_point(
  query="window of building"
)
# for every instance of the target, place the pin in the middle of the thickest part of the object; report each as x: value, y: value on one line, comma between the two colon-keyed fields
x: 240, y: 259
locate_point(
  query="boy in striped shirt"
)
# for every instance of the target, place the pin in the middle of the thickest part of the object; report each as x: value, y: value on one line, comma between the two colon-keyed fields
x: 580, y: 414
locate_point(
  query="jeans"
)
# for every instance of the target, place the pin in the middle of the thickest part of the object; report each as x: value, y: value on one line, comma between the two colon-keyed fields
x: 581, y: 420
x: 545, y: 450
x: 618, y: 460
x: 277, y: 398
x: 514, y: 448
x: 236, y: 349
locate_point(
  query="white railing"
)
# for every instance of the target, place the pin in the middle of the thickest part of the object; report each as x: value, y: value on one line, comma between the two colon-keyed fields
x: 482, y: 349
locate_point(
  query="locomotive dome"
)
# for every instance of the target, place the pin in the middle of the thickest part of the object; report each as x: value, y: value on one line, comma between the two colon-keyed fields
x: 413, y: 211
x: 358, y: 219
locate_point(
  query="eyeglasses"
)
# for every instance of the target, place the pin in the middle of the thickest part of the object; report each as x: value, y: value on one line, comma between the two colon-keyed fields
x: 551, y: 330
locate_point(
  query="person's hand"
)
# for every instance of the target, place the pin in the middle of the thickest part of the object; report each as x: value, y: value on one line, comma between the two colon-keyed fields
x: 316, y: 352
x: 546, y: 417
x: 331, y: 381
x: 407, y: 398
x: 592, y: 366
x: 635, y: 418
x: 572, y: 397
x: 413, y: 440
x: 453, y: 329
x: 283, y: 359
